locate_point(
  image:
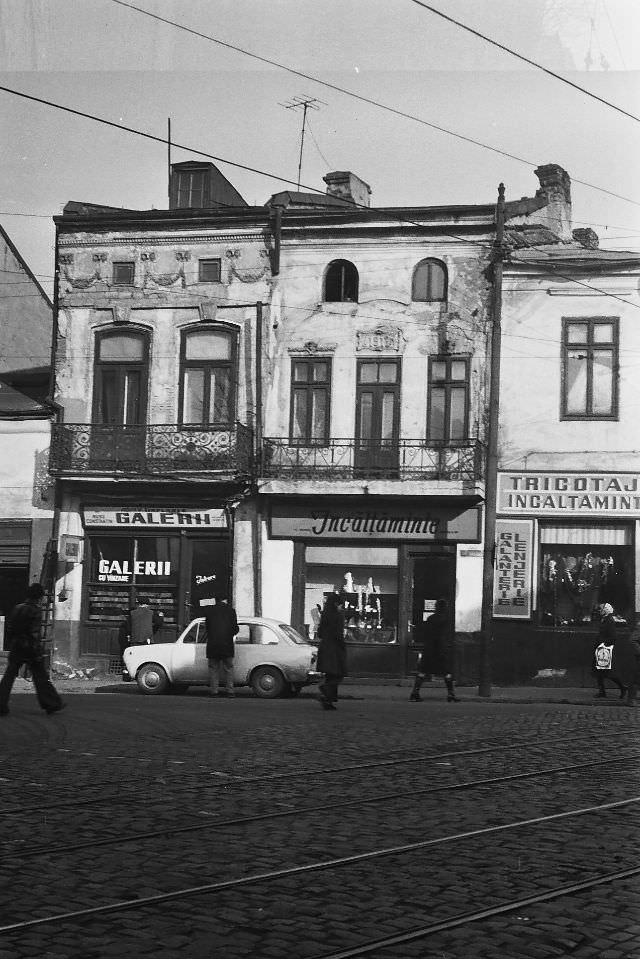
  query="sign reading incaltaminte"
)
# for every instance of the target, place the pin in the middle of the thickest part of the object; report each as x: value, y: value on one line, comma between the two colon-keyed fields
x: 443, y: 523
x: 569, y: 494
x: 512, y: 578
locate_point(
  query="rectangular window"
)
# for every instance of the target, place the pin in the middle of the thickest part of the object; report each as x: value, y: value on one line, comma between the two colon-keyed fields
x: 209, y: 271
x: 310, y: 401
x: 191, y: 188
x: 123, y: 274
x: 448, y: 408
x: 582, y: 567
x: 208, y: 378
x: 366, y: 578
x: 126, y: 570
x: 590, y: 368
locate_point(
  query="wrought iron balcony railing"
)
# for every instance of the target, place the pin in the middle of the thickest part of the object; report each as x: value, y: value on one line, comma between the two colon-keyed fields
x: 150, y: 450
x: 374, y: 459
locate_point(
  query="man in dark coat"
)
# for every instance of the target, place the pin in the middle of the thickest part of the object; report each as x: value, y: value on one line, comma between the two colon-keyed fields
x: 332, y: 650
x: 436, y: 655
x: 25, y: 627
x: 222, y: 626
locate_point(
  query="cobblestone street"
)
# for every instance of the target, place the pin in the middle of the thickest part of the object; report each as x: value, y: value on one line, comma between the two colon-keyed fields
x: 183, y: 826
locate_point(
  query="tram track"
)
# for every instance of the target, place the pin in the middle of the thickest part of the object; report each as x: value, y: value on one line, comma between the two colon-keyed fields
x: 224, y: 780
x: 297, y: 811
x: 465, y: 919
x: 274, y: 875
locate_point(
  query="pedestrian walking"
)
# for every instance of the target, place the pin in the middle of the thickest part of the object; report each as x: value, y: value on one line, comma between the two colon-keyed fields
x: 25, y: 635
x: 436, y: 655
x: 222, y: 626
x: 603, y: 664
x: 332, y: 650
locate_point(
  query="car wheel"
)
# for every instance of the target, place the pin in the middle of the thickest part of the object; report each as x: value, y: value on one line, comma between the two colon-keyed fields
x: 152, y: 679
x: 267, y: 682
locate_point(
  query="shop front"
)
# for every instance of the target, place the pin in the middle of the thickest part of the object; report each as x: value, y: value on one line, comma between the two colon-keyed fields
x: 171, y: 559
x: 565, y: 544
x: 388, y: 561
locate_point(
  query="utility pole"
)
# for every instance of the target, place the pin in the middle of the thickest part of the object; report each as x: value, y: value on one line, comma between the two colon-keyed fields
x: 303, y: 103
x: 491, y: 478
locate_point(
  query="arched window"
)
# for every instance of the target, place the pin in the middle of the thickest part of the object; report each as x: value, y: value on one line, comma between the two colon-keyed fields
x: 120, y: 390
x: 341, y: 283
x: 429, y: 282
x: 207, y: 377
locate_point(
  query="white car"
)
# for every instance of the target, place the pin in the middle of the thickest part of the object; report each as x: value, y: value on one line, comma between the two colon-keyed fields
x: 271, y: 657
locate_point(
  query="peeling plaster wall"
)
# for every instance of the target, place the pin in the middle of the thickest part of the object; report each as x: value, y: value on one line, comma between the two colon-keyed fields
x: 385, y: 271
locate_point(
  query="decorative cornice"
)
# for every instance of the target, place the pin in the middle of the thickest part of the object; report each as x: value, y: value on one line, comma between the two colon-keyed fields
x: 184, y: 239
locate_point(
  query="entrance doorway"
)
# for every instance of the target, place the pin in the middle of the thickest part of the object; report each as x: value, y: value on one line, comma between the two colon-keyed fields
x: 13, y: 590
x: 432, y: 577
x: 209, y: 572
x: 377, y: 418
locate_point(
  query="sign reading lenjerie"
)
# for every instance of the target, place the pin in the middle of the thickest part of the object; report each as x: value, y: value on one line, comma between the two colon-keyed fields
x: 143, y: 518
x: 512, y: 578
x: 444, y: 523
x: 569, y: 494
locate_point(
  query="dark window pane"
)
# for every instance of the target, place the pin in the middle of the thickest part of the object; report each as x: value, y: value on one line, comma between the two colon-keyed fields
x: 123, y: 274
x: 436, y: 426
x: 156, y: 561
x: 320, y: 372
x: 125, y: 347
x: 299, y: 426
x: 208, y: 345
x: 318, y: 414
x: 576, y: 376
x: 457, y: 413
x: 301, y: 372
x: 602, y: 389
x: 193, y: 400
x: 209, y: 271
x: 429, y: 282
x: 366, y: 416
x: 220, y: 396
x: 341, y: 283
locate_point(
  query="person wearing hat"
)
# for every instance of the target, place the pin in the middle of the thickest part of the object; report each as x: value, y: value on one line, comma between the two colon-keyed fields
x: 607, y: 636
x: 24, y: 628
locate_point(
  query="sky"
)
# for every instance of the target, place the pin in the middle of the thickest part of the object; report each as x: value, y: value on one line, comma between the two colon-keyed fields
x: 105, y: 58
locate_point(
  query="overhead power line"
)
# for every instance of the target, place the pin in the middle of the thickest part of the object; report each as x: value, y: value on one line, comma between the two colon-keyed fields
x: 356, y: 96
x: 520, y: 56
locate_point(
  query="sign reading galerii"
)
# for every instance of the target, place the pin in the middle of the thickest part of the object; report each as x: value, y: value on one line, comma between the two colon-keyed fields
x: 569, y: 494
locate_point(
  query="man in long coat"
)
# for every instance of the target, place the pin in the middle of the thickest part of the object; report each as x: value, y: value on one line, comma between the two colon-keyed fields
x: 25, y: 626
x: 222, y: 626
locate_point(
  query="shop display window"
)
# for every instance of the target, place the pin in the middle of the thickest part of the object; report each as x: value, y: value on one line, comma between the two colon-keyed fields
x: 576, y: 577
x: 366, y: 578
x: 126, y: 570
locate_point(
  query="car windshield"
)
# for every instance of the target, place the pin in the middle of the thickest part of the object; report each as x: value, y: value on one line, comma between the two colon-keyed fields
x: 293, y: 635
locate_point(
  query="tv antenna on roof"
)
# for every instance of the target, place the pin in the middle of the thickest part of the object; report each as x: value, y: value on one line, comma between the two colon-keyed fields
x: 303, y: 103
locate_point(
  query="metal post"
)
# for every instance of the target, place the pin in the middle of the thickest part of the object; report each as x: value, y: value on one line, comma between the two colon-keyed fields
x: 257, y: 535
x: 491, y: 478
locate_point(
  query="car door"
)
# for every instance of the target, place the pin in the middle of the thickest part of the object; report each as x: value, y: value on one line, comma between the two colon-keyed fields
x: 189, y: 655
x: 256, y: 643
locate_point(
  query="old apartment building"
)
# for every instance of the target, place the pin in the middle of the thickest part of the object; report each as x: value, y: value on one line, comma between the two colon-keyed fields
x: 285, y: 400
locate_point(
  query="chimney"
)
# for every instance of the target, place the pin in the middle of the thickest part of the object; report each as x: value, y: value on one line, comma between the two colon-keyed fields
x: 348, y: 187
x: 555, y: 187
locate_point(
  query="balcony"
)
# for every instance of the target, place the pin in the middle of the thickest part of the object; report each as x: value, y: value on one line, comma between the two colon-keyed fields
x: 87, y: 449
x: 461, y: 461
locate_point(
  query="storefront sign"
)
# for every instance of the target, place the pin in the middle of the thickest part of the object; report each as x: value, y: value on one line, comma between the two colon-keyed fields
x: 512, y: 576
x: 442, y: 523
x: 569, y: 494
x: 115, y: 571
x: 141, y: 517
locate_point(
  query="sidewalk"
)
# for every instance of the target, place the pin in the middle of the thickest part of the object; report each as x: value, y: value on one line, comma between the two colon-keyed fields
x: 389, y: 690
